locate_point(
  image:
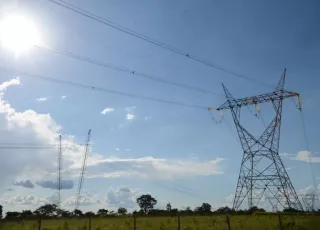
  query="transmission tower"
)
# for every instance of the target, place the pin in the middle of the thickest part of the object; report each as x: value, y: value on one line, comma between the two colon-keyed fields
x: 83, y: 168
x: 273, y: 202
x: 261, y: 167
x: 59, y: 173
x: 309, y: 201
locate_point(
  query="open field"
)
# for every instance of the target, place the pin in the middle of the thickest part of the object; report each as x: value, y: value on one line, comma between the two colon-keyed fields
x: 263, y: 222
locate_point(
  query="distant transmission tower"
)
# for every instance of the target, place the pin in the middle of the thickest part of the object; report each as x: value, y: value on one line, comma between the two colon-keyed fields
x: 83, y: 168
x: 309, y: 201
x: 261, y: 166
x: 59, y: 172
x: 273, y: 202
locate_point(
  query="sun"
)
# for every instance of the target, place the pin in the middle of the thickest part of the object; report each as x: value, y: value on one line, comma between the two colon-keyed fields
x: 18, y: 33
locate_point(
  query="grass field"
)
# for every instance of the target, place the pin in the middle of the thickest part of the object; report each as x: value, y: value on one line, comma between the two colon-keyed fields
x: 256, y: 222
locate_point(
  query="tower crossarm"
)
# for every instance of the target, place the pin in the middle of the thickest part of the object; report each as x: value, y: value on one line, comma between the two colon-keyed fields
x: 262, y: 98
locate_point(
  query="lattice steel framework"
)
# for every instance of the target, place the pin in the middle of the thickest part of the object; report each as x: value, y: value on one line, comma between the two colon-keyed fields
x: 309, y: 201
x: 83, y: 169
x: 59, y: 173
x: 261, y: 167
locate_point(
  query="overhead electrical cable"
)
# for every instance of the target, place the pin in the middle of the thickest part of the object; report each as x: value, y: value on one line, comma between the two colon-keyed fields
x: 126, y: 70
x: 309, y: 152
x: 126, y: 30
x: 101, y: 89
x: 25, y: 147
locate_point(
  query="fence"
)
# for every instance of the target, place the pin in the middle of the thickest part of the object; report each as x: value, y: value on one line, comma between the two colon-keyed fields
x: 277, y: 222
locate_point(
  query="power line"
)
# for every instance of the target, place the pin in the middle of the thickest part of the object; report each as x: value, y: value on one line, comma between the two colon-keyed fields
x: 100, y: 89
x: 126, y: 70
x: 12, y: 147
x: 152, y: 41
x: 24, y: 143
x: 308, y: 149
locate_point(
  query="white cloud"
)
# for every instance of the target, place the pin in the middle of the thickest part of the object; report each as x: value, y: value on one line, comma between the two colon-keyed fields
x: 53, y: 184
x: 30, y: 199
x: 34, y: 201
x: 107, y: 110
x: 27, y: 127
x: 308, y: 190
x: 306, y: 157
x: 86, y: 199
x: 130, y: 112
x: 285, y: 154
x: 128, y: 150
x: 130, y: 116
x: 24, y: 183
x: 117, y: 149
x: 289, y: 168
x: 147, y: 118
x: 63, y: 97
x: 40, y: 164
x: 151, y: 168
x: 122, y: 197
x: 42, y: 99
x: 6, y: 84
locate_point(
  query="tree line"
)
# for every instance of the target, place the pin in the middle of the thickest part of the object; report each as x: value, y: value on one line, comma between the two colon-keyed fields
x: 146, y: 203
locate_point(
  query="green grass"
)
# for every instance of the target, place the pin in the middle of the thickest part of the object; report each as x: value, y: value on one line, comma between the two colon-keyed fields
x: 254, y: 222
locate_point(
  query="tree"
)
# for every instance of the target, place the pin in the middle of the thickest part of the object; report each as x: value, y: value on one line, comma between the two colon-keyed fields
x: 204, y: 208
x: 12, y: 215
x: 102, y: 212
x: 0, y: 211
x: 36, y: 213
x: 63, y: 213
x: 255, y: 209
x: 224, y: 210
x: 187, y: 211
x: 146, y: 202
x: 174, y: 210
x: 290, y: 210
x: 122, y: 211
x: 26, y: 214
x: 89, y: 214
x: 169, y: 207
x: 77, y: 212
x: 46, y: 210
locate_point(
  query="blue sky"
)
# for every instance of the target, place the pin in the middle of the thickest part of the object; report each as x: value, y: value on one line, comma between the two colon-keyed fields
x: 258, y: 39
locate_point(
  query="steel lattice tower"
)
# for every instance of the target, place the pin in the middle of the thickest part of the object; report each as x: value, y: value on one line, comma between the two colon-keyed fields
x: 309, y: 201
x: 59, y: 173
x: 261, y: 167
x: 83, y: 169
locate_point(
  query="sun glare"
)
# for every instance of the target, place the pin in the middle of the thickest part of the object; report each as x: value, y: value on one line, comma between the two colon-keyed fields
x: 18, y: 33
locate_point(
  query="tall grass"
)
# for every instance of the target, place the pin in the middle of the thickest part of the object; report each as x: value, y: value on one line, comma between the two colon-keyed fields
x: 245, y: 222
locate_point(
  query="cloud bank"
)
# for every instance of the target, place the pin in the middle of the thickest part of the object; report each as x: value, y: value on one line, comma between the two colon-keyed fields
x: 24, y: 183
x: 40, y: 165
x: 64, y: 184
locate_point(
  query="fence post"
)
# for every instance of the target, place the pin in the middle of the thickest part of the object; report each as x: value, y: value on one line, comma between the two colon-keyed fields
x: 134, y: 222
x: 89, y: 222
x: 178, y: 222
x: 228, y: 222
x: 39, y: 223
x: 280, y: 221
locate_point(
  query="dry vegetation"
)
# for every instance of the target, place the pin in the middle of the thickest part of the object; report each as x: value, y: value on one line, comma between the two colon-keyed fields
x: 256, y: 222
